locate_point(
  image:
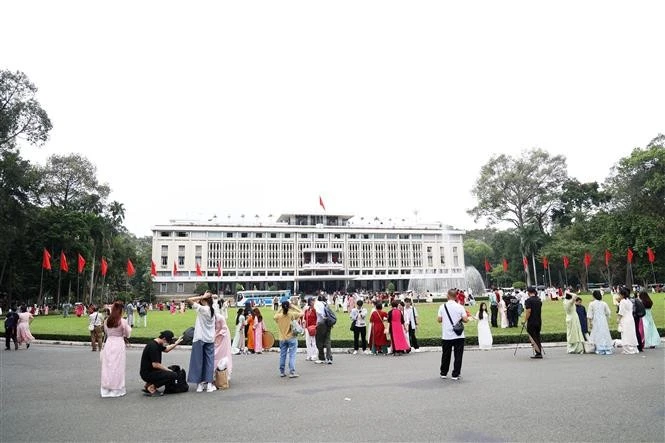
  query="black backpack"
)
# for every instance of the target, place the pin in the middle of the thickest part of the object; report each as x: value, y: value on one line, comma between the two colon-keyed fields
x: 638, y: 308
x: 179, y: 384
x: 188, y: 336
x: 329, y: 317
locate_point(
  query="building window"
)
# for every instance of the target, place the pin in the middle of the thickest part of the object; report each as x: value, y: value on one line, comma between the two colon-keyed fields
x: 165, y: 255
x: 229, y: 235
x: 180, y: 288
x: 165, y: 234
x: 273, y: 235
x: 319, y: 235
x: 352, y: 235
x: 304, y: 236
x: 287, y: 235
x: 163, y: 288
x: 337, y: 236
x: 181, y: 255
x: 243, y: 235
x: 183, y: 234
x: 198, y: 254
x: 258, y: 235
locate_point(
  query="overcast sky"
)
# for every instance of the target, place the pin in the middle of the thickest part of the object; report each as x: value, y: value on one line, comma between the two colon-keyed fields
x: 193, y: 109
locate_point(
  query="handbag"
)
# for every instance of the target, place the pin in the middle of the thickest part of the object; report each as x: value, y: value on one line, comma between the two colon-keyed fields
x: 91, y: 326
x: 458, y: 328
x: 311, y: 330
x: 222, y: 379
x: 296, y: 328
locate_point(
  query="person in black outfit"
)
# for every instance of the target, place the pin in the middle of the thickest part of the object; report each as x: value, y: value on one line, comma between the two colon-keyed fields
x: 11, y: 322
x: 533, y: 321
x: 153, y: 372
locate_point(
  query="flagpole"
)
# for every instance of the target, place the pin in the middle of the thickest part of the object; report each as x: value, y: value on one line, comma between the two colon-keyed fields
x: 535, y: 274
x: 632, y: 277
x: 565, y: 274
x: 59, y: 279
x: 41, y: 282
x: 549, y: 275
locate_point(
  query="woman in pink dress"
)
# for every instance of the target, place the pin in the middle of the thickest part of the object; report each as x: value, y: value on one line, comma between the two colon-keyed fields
x: 23, y: 328
x: 397, y: 331
x: 113, y: 354
x: 172, y: 308
x: 222, y: 343
x: 259, y: 327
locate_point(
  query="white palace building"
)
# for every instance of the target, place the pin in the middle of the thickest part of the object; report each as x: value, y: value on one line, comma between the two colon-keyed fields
x: 305, y: 253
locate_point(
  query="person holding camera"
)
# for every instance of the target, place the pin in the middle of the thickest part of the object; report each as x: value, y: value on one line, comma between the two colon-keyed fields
x: 533, y: 321
x: 153, y: 372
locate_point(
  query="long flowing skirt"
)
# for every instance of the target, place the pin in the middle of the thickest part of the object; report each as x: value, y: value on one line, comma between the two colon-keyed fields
x: 223, y: 351
x: 484, y: 334
x: 258, y: 338
x: 238, y: 344
x: 399, y: 342
x: 23, y: 333
x: 113, y: 358
x: 628, y: 336
x: 651, y: 337
x: 600, y: 334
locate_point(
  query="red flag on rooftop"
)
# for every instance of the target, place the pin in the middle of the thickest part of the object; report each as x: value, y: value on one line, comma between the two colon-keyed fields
x: 608, y: 257
x: 81, y: 263
x: 525, y: 262
x: 175, y: 268
x: 630, y: 255
x: 198, y: 270
x: 546, y: 262
x: 488, y: 267
x: 104, y: 268
x: 505, y: 265
x: 566, y: 261
x: 63, y: 262
x: 651, y: 254
x: 587, y: 259
x: 46, y: 260
x: 219, y: 269
x: 130, y: 268
x: 153, y: 269
x: 321, y: 203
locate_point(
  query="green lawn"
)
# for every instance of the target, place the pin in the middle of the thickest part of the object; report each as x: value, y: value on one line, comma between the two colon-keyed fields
x: 553, y: 321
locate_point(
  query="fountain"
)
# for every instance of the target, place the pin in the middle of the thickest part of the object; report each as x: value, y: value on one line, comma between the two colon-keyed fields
x: 474, y: 281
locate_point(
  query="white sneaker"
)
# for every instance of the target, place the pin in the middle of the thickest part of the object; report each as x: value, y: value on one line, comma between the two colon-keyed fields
x: 211, y: 388
x: 367, y: 352
x: 416, y: 350
x: 355, y: 352
x: 200, y: 387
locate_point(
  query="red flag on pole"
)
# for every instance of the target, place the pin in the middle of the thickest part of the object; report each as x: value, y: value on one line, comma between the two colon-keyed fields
x: 219, y: 269
x: 651, y: 254
x: 46, y: 260
x: 198, y: 270
x: 488, y: 267
x: 104, y: 268
x: 63, y: 262
x: 566, y: 261
x: 587, y: 259
x: 81, y: 263
x: 505, y: 265
x: 608, y: 257
x: 175, y: 268
x: 630, y: 255
x: 130, y: 268
x: 525, y: 262
x: 546, y: 262
x: 321, y: 203
x: 153, y: 269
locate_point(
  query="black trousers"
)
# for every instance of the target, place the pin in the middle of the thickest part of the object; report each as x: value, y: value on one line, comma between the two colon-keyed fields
x: 10, y: 334
x: 640, y: 345
x: 494, y: 309
x: 457, y: 348
x: 534, y: 332
x: 159, y: 377
x: 413, y: 341
x: 323, y: 341
x: 360, y: 332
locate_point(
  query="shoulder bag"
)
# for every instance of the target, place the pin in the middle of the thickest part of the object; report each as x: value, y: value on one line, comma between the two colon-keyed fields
x: 458, y: 328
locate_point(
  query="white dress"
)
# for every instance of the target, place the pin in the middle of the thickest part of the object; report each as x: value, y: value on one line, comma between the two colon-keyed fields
x: 627, y: 327
x: 504, y: 314
x: 484, y: 332
x: 599, y: 313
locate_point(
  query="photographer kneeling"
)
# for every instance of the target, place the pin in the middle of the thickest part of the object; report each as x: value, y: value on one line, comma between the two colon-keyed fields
x: 153, y: 372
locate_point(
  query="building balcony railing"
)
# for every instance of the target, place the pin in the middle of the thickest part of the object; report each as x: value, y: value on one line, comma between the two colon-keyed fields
x: 322, y: 266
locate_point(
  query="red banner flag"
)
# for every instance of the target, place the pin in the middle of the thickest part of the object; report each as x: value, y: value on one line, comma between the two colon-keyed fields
x: 608, y: 257
x: 153, y: 269
x: 566, y: 261
x: 130, y: 268
x: 651, y: 254
x: 81, y: 263
x: 630, y: 255
x: 546, y: 263
x: 219, y: 269
x: 63, y: 262
x: 505, y: 265
x: 488, y: 267
x: 104, y: 268
x: 525, y: 262
x: 321, y: 203
x: 198, y: 270
x: 175, y: 268
x: 587, y: 259
x: 46, y: 260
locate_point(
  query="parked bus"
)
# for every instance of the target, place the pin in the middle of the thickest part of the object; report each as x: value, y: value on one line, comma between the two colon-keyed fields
x: 262, y: 298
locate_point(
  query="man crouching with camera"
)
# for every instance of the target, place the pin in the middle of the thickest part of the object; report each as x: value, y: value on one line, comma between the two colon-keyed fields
x: 153, y: 372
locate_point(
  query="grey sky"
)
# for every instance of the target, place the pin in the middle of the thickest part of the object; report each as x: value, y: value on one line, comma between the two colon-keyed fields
x: 191, y: 109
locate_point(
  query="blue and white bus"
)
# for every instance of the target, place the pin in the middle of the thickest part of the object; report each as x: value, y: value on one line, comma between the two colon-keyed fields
x: 262, y: 298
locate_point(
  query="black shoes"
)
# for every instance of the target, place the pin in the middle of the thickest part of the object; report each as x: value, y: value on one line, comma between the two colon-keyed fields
x: 537, y: 356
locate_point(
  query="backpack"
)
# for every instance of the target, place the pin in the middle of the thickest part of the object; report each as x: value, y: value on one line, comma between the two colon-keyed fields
x: 142, y: 310
x: 329, y: 317
x: 188, y: 336
x: 179, y: 384
x: 638, y: 308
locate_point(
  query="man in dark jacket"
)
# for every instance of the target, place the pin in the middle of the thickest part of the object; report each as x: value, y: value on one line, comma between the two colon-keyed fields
x: 11, y: 322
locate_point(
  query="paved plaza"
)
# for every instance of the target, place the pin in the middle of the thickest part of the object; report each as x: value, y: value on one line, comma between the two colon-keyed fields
x: 51, y: 393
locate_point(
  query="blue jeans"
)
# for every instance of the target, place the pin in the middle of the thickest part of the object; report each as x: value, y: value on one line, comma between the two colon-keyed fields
x: 287, y: 346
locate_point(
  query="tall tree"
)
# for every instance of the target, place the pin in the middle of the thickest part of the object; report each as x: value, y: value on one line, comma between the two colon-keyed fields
x: 21, y: 115
x: 521, y: 191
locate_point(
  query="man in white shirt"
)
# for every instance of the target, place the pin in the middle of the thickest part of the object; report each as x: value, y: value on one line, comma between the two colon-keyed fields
x: 322, y: 332
x: 450, y: 313
x: 411, y: 321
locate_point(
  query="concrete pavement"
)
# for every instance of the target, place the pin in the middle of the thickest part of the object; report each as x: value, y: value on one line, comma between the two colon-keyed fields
x: 51, y: 393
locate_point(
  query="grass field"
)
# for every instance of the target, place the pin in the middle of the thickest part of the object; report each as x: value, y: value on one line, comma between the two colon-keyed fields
x: 552, y: 315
